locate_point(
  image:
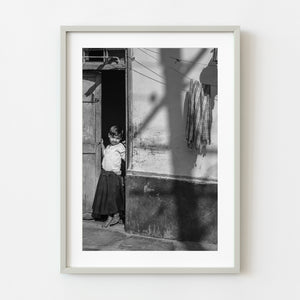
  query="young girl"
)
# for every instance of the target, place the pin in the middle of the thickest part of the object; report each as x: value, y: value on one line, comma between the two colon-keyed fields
x: 109, y: 196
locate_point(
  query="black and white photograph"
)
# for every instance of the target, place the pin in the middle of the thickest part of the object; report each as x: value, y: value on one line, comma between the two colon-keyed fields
x: 142, y: 154
x: 150, y: 149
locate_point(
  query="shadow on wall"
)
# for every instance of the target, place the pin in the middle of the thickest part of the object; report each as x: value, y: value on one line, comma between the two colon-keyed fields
x: 174, y: 85
x: 172, y: 208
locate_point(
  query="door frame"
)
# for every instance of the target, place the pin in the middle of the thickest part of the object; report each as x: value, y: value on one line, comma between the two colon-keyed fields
x: 128, y: 105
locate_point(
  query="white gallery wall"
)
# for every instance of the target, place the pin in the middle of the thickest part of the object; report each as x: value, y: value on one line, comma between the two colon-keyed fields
x: 270, y: 147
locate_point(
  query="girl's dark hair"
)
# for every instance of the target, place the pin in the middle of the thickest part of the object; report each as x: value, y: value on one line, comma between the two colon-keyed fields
x: 116, y: 131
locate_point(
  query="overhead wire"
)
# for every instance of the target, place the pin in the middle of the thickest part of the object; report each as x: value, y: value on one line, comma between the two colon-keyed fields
x: 157, y: 74
x: 151, y: 78
x: 186, y: 61
x: 151, y: 50
x: 167, y: 66
x: 134, y: 70
x: 177, y: 59
x: 149, y: 54
x: 149, y: 69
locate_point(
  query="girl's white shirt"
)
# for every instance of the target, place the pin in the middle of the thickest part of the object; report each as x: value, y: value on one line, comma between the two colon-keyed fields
x: 112, y: 158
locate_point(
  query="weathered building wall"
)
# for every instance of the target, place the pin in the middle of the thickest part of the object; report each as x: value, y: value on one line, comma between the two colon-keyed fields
x: 158, y: 114
x: 173, y: 209
x: 171, y: 190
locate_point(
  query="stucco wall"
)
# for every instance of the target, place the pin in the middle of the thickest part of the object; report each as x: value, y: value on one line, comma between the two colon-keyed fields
x: 172, y: 209
x: 159, y: 84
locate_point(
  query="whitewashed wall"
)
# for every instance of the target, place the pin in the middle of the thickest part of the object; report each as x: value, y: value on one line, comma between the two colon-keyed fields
x: 151, y: 147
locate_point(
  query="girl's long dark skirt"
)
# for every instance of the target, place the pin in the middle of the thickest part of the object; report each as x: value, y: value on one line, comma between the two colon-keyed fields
x: 109, y: 195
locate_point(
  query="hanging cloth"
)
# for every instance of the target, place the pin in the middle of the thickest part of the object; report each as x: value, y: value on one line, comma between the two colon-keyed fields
x: 199, y: 101
x: 191, y: 98
x: 199, y: 117
x: 187, y: 104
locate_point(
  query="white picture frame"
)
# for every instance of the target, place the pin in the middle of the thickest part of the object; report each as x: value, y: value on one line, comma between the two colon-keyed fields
x: 182, y: 262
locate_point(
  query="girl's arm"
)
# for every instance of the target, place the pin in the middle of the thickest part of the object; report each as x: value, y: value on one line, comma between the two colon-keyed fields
x: 122, y: 151
x: 102, y: 147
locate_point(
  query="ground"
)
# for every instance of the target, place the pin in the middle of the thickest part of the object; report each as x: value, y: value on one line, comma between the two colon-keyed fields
x: 115, y: 238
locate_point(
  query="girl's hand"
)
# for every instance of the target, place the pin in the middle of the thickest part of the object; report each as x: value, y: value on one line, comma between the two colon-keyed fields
x: 101, y: 143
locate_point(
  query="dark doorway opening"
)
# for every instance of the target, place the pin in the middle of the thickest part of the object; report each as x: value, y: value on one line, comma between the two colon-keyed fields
x: 113, y: 108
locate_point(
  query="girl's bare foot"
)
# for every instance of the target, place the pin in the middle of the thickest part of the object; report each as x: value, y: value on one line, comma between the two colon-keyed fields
x: 108, y: 222
x: 115, y: 220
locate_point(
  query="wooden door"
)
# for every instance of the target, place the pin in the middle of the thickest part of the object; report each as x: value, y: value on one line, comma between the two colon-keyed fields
x: 91, y: 136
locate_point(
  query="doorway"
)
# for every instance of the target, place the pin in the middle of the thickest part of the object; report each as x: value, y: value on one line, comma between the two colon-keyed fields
x: 113, y: 104
x: 104, y: 105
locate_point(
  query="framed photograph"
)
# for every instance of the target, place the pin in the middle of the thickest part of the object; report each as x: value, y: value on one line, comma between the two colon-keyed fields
x: 150, y: 149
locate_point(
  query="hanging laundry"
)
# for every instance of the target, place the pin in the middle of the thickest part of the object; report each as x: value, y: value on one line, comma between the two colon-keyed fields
x: 208, y: 105
x: 191, y: 97
x: 199, y: 101
x: 189, y: 113
x: 205, y: 124
x: 199, y: 117
x: 187, y: 105
x: 198, y: 122
x: 195, y: 106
